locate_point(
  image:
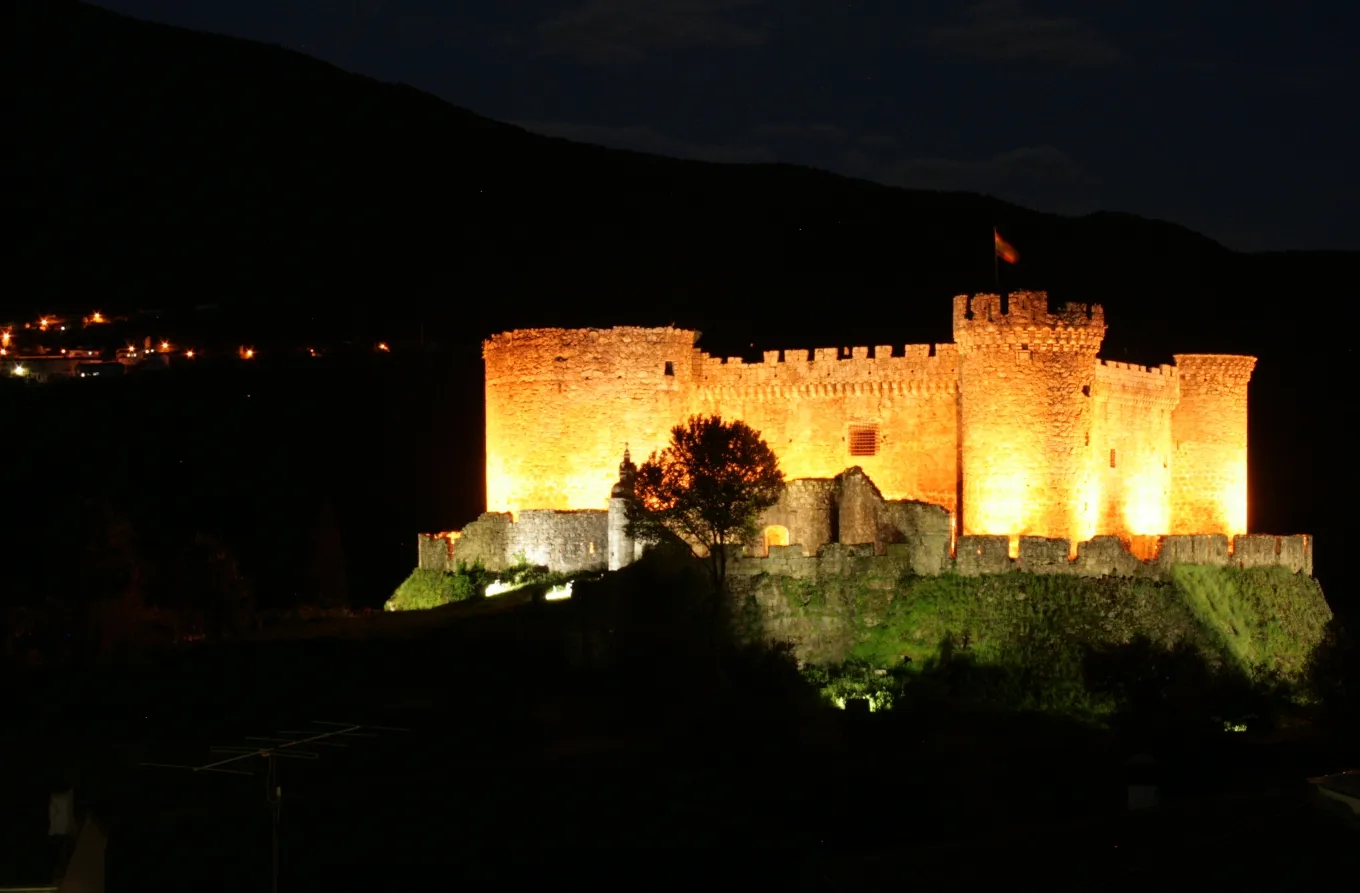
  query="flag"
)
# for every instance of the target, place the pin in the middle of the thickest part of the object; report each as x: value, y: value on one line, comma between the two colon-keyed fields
x: 1004, y: 249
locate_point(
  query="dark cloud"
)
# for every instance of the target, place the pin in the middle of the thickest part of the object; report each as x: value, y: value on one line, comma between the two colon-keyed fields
x: 1006, y: 31
x: 628, y: 31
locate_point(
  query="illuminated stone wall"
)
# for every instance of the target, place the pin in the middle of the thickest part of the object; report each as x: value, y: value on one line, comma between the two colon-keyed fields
x: 810, y: 409
x: 1019, y: 416
x: 562, y: 403
x: 1209, y: 427
x: 1025, y: 379
x: 1130, y: 451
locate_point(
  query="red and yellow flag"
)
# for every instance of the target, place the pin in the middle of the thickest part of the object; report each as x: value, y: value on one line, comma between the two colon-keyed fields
x: 1004, y: 250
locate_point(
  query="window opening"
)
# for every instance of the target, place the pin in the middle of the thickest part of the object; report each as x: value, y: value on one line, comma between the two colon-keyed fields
x: 864, y: 440
x: 776, y: 535
x: 1112, y: 458
x: 670, y: 368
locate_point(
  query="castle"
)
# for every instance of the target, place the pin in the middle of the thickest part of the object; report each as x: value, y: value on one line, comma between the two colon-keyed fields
x: 1017, y: 428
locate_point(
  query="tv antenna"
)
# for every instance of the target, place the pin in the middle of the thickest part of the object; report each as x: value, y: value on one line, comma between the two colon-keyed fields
x: 290, y: 744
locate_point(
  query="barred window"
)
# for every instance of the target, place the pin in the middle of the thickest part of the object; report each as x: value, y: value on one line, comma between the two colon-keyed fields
x: 864, y: 440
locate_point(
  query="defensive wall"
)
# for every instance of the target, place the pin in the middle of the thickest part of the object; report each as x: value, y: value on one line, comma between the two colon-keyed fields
x: 1104, y: 556
x: 818, y: 524
x: 1018, y: 426
x: 576, y: 543
x: 563, y: 541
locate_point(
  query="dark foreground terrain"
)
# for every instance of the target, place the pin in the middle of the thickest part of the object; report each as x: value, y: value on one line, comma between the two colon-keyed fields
x: 537, y: 750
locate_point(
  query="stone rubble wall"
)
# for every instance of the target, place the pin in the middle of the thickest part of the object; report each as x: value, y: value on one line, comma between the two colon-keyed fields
x: 850, y: 509
x: 1102, y: 556
x: 561, y: 541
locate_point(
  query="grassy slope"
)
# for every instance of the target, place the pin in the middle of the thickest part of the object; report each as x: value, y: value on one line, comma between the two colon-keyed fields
x: 1258, y: 618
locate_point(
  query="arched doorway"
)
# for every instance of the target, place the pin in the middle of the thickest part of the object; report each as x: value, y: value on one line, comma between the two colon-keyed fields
x: 775, y: 535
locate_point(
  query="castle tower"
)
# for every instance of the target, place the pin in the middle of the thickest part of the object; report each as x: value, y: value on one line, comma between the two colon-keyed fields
x: 1209, y: 431
x: 622, y: 549
x: 1025, y: 379
x: 560, y: 401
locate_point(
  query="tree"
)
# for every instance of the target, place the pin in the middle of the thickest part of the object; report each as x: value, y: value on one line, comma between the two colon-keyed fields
x: 707, y: 487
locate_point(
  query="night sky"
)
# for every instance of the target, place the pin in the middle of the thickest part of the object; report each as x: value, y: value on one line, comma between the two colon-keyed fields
x: 1236, y: 119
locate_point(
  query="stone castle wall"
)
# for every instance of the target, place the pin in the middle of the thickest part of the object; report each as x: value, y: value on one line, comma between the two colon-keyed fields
x: 818, y: 519
x: 561, y: 404
x: 1025, y: 378
x: 894, y: 415
x: 1020, y: 417
x: 1130, y: 450
x: 563, y: 541
x: 849, y: 508
x: 1209, y: 427
x: 1105, y: 556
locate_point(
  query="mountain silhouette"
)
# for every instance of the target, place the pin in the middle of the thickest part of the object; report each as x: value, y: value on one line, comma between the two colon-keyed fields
x: 189, y: 167
x: 172, y: 169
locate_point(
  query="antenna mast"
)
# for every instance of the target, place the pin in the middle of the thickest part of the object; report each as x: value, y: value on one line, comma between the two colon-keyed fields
x: 284, y: 745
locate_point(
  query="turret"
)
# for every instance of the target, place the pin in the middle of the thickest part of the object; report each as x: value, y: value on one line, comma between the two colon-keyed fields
x: 1209, y: 431
x: 622, y: 548
x: 560, y: 401
x: 1025, y: 378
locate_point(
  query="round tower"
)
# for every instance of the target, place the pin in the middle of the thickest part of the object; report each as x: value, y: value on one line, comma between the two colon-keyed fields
x: 622, y: 549
x: 1025, y: 378
x: 561, y: 402
x: 1209, y: 430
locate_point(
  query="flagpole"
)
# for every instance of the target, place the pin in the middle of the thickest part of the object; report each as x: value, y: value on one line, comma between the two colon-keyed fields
x: 996, y: 268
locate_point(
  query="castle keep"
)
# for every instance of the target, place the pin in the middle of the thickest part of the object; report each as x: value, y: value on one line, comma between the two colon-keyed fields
x: 1017, y: 425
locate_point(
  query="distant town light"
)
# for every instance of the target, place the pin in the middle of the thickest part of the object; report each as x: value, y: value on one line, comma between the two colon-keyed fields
x: 247, y: 353
x: 165, y: 345
x: 20, y: 370
x: 382, y: 345
x: 94, y: 319
x: 4, y: 338
x: 43, y: 323
x: 189, y: 354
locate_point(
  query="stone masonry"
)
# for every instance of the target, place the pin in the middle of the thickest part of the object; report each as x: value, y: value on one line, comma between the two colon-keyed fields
x: 817, y: 522
x: 1017, y: 429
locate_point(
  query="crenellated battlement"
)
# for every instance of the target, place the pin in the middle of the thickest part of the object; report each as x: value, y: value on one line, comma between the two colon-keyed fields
x: 1153, y: 386
x: 831, y: 371
x: 1018, y: 427
x: 1023, y: 321
x: 1215, y: 368
x: 1101, y: 556
x: 1115, y: 367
